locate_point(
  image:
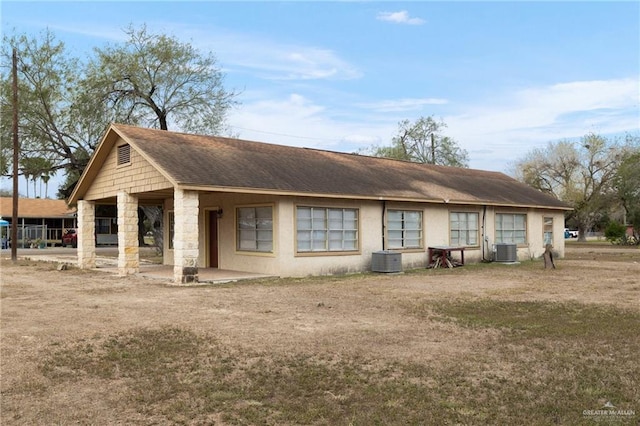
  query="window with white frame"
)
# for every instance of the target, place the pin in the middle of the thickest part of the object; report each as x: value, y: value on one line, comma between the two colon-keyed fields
x: 511, y: 228
x: 548, y: 231
x: 254, y: 229
x: 404, y: 229
x: 321, y: 229
x: 463, y: 228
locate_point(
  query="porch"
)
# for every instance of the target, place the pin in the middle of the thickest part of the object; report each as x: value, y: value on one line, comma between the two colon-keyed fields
x: 205, y: 275
x: 107, y: 261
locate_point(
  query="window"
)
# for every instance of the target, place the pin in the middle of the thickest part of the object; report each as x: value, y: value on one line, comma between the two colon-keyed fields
x: 324, y: 229
x: 404, y: 229
x: 464, y: 229
x: 548, y: 231
x: 124, y: 154
x: 104, y: 226
x: 254, y: 226
x: 172, y: 228
x: 511, y: 228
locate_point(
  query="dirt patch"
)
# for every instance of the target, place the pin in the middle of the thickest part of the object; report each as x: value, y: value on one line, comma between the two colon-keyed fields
x: 368, y: 315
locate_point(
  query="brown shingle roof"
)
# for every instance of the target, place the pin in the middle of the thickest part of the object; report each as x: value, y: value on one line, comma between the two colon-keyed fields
x: 210, y: 161
x: 35, y: 208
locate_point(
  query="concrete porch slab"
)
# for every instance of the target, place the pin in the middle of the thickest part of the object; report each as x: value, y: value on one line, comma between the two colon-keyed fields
x: 205, y: 275
x: 153, y: 271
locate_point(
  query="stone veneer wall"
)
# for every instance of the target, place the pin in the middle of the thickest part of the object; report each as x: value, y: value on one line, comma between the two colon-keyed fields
x: 185, y: 261
x: 86, y: 232
x: 128, y: 250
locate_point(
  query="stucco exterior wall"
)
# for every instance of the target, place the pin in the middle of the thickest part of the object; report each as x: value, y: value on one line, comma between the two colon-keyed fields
x: 135, y: 177
x: 327, y: 263
x: 535, y: 238
x: 438, y: 229
x: 284, y: 261
x: 534, y: 246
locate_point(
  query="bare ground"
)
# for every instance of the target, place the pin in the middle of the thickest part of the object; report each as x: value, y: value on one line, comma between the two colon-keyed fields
x: 42, y: 308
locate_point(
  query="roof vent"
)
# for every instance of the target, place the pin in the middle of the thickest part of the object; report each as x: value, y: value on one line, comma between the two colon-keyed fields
x: 124, y: 154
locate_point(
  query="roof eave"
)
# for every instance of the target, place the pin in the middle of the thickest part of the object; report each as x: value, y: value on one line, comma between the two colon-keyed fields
x: 99, y: 155
x: 263, y: 191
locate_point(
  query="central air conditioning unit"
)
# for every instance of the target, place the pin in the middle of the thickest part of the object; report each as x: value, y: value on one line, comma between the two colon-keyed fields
x: 386, y: 261
x: 506, y: 253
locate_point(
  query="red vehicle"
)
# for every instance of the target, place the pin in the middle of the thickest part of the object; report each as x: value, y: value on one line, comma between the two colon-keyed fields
x: 70, y: 238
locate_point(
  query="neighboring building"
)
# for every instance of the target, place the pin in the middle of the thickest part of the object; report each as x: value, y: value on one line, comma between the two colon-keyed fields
x: 288, y: 211
x: 38, y: 219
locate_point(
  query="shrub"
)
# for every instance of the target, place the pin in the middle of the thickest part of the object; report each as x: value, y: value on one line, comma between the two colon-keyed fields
x: 616, y: 233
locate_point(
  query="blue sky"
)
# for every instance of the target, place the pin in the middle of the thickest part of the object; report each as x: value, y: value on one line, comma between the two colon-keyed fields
x: 505, y: 77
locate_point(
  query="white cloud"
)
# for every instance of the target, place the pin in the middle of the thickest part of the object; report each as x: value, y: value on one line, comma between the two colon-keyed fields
x: 297, y: 121
x: 83, y: 28
x: 274, y: 60
x: 531, y: 117
x: 584, y: 95
x: 401, y: 17
x: 495, y: 132
x: 254, y: 53
x: 547, y: 107
x: 399, y: 105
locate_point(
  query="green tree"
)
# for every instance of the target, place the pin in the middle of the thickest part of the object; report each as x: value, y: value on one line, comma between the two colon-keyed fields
x: 627, y: 185
x: 581, y: 174
x: 66, y: 105
x: 615, y: 233
x: 156, y: 80
x: 36, y: 168
x: 6, y: 149
x: 57, y: 121
x: 45, y: 178
x: 422, y: 142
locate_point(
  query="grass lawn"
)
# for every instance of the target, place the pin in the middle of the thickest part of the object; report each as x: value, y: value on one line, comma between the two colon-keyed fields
x: 484, y: 344
x: 557, y: 360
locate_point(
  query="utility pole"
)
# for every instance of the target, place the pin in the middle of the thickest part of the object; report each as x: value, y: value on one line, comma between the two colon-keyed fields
x: 433, y: 149
x: 16, y: 147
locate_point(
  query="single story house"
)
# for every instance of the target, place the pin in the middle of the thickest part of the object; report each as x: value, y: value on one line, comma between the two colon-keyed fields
x: 286, y: 211
x: 41, y: 219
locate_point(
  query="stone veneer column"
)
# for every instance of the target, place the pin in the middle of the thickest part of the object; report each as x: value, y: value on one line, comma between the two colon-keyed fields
x: 128, y: 251
x: 185, y: 240
x: 86, y: 234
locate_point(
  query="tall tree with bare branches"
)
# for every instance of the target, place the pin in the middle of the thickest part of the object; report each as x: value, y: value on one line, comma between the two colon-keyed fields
x: 158, y: 81
x: 422, y: 141
x: 66, y: 104
x: 582, y: 174
x: 57, y: 123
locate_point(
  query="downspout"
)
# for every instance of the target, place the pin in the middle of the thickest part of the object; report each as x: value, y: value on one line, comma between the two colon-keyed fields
x: 384, y: 221
x: 484, y: 224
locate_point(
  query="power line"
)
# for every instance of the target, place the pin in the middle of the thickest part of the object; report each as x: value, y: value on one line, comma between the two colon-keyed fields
x: 285, y: 135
